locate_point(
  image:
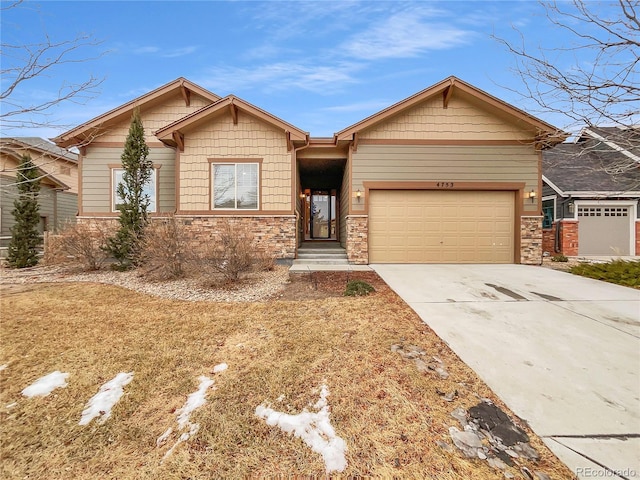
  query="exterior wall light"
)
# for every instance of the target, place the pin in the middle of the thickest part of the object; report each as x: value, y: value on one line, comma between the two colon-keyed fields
x: 532, y: 195
x: 358, y: 194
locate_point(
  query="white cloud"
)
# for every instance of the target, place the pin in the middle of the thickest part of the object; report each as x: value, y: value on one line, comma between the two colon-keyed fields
x: 179, y: 52
x: 367, y: 106
x: 165, y: 53
x: 145, y: 50
x: 406, y: 34
x: 322, y: 79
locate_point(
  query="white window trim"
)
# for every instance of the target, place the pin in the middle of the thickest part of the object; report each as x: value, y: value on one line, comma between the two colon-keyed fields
x: 114, y: 195
x: 235, y: 193
x: 633, y: 214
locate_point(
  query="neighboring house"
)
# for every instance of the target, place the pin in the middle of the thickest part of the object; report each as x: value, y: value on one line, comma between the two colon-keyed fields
x: 448, y: 175
x: 58, y: 198
x: 590, y: 194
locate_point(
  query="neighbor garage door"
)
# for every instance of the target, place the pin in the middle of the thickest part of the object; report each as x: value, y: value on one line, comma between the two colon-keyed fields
x: 604, y: 230
x: 434, y: 226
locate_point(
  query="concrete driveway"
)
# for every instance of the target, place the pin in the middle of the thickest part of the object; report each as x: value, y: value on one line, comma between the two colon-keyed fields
x: 562, y: 351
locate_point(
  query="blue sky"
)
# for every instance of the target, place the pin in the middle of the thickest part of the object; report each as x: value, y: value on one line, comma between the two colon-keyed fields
x: 320, y: 65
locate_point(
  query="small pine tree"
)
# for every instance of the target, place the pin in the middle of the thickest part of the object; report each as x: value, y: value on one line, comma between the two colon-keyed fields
x: 125, y: 245
x: 25, y: 237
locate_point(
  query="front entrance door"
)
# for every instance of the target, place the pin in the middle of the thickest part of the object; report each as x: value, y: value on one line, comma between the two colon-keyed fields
x: 323, y: 213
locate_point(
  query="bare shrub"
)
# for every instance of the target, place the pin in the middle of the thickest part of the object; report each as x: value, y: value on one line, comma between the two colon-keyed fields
x: 234, y: 254
x: 264, y: 262
x: 164, y: 250
x: 81, y: 244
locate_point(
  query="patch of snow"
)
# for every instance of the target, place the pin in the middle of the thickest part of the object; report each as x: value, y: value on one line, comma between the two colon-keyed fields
x: 101, y: 403
x: 194, y: 400
x: 47, y: 384
x: 163, y: 438
x: 314, y: 428
x: 2, y: 367
x: 220, y: 368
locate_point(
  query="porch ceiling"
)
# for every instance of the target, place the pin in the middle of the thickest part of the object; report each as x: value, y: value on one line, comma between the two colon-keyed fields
x: 321, y: 173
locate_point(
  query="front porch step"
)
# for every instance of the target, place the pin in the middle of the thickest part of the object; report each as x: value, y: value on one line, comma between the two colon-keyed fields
x: 320, y: 267
x: 329, y: 251
x: 314, y: 255
x: 321, y: 261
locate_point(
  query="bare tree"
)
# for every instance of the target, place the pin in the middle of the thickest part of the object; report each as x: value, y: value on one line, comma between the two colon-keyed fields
x: 44, y: 57
x: 602, y: 87
x: 593, y: 81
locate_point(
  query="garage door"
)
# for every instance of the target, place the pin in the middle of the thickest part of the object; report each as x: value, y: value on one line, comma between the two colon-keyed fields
x: 604, y: 230
x: 417, y: 226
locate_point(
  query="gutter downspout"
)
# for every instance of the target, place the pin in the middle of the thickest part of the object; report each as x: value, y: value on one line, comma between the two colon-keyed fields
x: 295, y: 209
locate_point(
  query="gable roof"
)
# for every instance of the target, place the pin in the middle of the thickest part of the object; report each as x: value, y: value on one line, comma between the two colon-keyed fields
x: 625, y: 140
x: 591, y: 167
x: 173, y: 134
x: 41, y: 144
x: 8, y: 147
x: 547, y: 133
x: 82, y: 133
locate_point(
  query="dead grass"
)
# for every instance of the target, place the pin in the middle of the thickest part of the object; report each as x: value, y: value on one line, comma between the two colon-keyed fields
x: 389, y: 414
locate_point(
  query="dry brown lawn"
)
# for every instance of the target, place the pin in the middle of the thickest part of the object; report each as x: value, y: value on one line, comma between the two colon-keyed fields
x: 390, y: 415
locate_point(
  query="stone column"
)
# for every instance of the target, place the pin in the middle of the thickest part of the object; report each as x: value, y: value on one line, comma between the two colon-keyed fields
x: 358, y: 239
x: 531, y: 240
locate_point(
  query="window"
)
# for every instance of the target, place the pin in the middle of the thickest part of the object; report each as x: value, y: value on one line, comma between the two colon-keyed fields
x: 548, y: 212
x: 603, y: 211
x: 149, y: 189
x: 235, y: 186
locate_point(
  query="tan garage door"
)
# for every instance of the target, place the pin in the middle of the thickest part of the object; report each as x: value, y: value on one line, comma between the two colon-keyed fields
x: 434, y: 226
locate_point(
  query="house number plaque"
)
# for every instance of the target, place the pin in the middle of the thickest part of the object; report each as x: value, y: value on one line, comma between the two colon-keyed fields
x: 444, y: 184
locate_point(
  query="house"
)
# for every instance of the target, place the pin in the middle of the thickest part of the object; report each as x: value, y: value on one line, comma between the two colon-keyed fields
x: 591, y: 189
x: 448, y: 175
x: 58, y: 198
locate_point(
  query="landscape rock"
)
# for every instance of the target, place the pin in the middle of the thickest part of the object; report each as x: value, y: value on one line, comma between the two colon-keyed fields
x: 489, y: 417
x: 460, y: 414
x: 496, y: 463
x: 415, y: 353
x: 468, y: 442
x: 486, y: 421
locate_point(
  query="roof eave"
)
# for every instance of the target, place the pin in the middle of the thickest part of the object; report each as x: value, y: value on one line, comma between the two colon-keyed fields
x: 165, y: 134
x: 547, y: 134
x: 77, y: 135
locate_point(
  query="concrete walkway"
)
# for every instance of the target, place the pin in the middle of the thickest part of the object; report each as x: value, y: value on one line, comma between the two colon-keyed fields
x: 562, y: 351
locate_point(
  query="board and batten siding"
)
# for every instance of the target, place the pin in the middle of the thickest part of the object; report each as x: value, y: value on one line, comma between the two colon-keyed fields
x: 221, y: 139
x: 433, y: 163
x: 96, y: 178
x: 463, y: 119
x: 154, y: 118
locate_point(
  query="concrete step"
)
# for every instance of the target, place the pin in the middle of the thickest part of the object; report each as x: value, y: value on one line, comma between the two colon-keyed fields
x: 325, y: 261
x: 306, y: 268
x: 321, y: 255
x: 328, y: 251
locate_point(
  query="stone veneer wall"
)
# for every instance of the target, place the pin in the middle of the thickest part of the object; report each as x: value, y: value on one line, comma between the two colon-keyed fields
x: 274, y: 234
x: 358, y: 239
x: 549, y: 240
x: 531, y: 240
x: 569, y: 237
